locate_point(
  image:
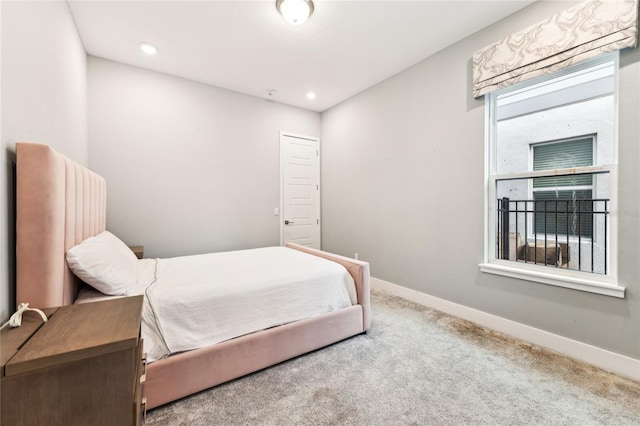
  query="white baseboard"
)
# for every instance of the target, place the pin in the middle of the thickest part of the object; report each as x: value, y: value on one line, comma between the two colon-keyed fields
x: 607, y: 360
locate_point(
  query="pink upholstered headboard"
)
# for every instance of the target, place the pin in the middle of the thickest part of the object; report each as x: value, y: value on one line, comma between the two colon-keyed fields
x: 59, y: 203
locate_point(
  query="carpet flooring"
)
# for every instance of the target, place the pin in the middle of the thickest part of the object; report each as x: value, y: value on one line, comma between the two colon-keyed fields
x: 417, y: 366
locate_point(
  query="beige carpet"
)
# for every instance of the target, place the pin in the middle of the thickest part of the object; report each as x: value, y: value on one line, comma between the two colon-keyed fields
x: 417, y: 366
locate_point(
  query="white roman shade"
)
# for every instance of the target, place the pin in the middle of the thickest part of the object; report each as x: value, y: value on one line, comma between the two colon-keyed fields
x: 581, y: 32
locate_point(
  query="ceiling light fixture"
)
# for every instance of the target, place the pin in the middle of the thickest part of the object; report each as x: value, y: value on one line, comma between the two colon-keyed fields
x: 295, y: 12
x: 311, y: 96
x: 148, y: 48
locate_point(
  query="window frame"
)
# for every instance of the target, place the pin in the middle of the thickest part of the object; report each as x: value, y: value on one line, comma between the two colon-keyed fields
x: 584, y: 281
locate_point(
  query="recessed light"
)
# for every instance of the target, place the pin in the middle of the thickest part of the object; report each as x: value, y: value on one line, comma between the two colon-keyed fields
x: 311, y: 96
x: 295, y: 12
x: 148, y: 48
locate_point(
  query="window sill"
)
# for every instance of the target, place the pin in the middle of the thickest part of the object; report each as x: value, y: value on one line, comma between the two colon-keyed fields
x: 533, y: 273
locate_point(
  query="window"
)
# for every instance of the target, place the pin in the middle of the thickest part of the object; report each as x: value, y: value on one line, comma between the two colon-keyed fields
x: 563, y: 194
x: 551, y: 178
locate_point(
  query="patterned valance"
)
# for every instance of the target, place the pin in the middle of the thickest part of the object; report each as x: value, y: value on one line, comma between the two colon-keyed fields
x: 581, y: 32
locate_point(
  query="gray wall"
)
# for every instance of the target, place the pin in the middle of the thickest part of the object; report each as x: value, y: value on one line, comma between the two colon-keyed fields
x: 191, y: 168
x: 403, y: 185
x: 44, y: 99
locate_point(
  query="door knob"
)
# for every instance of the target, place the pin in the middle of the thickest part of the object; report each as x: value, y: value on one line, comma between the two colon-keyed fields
x: 288, y: 222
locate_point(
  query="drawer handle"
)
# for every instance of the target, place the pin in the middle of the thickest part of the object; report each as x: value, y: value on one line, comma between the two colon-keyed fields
x: 144, y: 365
x: 143, y: 404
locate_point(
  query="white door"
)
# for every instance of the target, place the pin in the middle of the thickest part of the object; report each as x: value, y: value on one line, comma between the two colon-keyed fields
x: 300, y: 189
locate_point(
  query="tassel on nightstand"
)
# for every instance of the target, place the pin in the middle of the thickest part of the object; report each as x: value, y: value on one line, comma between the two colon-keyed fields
x: 16, y: 318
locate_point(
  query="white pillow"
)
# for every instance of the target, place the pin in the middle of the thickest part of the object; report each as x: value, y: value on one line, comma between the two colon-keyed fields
x: 105, y: 263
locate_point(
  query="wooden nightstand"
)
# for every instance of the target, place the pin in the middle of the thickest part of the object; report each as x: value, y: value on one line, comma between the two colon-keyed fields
x: 138, y: 251
x: 82, y: 367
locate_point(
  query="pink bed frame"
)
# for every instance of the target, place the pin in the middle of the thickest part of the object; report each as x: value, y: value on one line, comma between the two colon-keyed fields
x: 60, y: 203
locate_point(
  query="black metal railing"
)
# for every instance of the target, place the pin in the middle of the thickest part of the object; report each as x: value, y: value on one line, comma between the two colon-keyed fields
x: 562, y: 233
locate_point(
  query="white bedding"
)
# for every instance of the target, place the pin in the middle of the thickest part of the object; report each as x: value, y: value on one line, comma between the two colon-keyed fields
x: 196, y: 301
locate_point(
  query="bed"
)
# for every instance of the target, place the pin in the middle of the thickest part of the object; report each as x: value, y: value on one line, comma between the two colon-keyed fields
x: 61, y: 204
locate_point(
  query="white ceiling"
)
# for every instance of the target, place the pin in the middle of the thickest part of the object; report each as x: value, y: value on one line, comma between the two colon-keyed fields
x: 246, y: 46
